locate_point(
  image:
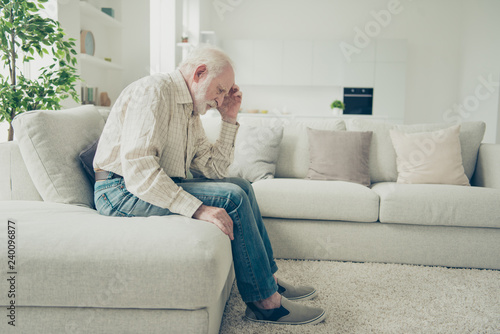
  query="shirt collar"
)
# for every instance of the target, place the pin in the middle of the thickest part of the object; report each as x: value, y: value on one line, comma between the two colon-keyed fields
x: 182, y: 94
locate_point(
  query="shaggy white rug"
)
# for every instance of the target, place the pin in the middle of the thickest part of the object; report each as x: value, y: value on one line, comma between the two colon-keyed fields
x: 385, y: 298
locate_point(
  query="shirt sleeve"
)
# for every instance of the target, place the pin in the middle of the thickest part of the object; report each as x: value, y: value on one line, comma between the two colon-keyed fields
x: 140, y: 150
x: 213, y: 160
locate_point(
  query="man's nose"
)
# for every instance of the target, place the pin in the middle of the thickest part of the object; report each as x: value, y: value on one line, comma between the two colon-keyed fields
x: 219, y: 100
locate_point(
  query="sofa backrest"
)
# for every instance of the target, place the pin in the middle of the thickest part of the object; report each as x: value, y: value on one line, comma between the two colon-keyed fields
x: 293, y: 159
x: 383, y: 156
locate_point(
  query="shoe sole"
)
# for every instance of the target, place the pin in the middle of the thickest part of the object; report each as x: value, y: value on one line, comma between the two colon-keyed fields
x: 305, y: 297
x: 314, y: 321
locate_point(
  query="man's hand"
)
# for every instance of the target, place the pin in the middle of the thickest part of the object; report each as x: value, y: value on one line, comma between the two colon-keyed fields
x: 231, y: 105
x: 216, y: 216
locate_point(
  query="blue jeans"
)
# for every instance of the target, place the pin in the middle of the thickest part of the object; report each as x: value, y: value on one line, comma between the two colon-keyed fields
x: 254, y: 264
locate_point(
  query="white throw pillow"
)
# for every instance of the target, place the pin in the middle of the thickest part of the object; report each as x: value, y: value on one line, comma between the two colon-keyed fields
x: 429, y: 157
x: 256, y: 152
x: 383, y: 157
x: 50, y: 142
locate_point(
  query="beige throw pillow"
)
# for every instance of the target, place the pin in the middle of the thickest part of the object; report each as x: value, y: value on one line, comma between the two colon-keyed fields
x: 429, y: 157
x: 339, y: 156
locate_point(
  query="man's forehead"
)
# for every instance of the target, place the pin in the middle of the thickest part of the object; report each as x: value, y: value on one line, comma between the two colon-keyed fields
x: 226, y: 79
x: 225, y: 84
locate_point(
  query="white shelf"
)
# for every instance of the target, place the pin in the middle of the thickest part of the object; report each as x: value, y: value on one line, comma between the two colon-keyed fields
x: 184, y: 45
x: 91, y: 11
x: 85, y: 58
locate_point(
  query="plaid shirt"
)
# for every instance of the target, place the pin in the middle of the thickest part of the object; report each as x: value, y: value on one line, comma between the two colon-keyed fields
x: 153, y: 134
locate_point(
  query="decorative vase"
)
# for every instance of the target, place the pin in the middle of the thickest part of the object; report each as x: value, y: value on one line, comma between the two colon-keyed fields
x: 337, y: 112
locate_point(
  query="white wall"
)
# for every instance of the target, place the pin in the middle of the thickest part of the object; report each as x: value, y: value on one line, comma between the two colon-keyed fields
x: 135, y: 40
x: 443, y: 46
x: 480, y: 67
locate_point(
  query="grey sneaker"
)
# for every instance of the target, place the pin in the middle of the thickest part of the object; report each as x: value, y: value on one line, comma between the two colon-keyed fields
x: 289, y: 313
x: 295, y: 292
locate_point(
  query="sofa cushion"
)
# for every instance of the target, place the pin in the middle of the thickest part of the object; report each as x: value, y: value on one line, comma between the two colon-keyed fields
x: 256, y: 152
x: 438, y: 204
x: 383, y: 156
x: 72, y: 256
x: 50, y: 142
x: 339, y: 156
x: 293, y: 160
x: 314, y: 199
x: 15, y: 181
x: 429, y: 157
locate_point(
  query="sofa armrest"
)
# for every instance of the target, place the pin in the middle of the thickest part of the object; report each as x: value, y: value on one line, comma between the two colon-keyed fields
x: 487, y: 173
x: 15, y: 181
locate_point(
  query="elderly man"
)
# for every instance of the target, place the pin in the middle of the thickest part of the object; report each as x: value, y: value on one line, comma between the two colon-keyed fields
x: 154, y: 137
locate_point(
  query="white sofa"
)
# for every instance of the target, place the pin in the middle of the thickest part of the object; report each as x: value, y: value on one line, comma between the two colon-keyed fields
x: 427, y: 224
x: 79, y: 272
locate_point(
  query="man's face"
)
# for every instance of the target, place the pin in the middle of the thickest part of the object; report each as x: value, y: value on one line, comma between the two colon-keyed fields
x: 210, y: 92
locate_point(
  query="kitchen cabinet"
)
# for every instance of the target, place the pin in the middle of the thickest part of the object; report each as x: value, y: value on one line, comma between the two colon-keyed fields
x: 391, y: 50
x: 241, y: 52
x: 327, y: 64
x: 390, y: 78
x: 297, y: 63
x: 390, y: 90
x: 315, y: 63
x: 271, y: 62
x: 360, y: 74
x: 268, y: 62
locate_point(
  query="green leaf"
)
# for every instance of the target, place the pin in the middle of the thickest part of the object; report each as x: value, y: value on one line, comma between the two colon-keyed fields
x: 34, y: 33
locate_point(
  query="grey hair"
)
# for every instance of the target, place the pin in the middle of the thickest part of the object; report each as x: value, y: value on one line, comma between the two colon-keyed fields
x: 205, y: 54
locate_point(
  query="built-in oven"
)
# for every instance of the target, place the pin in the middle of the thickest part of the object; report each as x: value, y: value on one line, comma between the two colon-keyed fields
x: 358, y: 101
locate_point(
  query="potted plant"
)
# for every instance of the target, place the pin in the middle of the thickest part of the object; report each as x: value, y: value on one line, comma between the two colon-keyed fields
x: 23, y: 32
x: 338, y: 107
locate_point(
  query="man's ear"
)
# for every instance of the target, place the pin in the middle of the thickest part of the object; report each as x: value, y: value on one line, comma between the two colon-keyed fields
x: 199, y: 73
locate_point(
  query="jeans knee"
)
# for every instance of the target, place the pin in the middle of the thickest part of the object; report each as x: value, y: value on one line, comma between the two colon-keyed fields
x: 236, y: 194
x: 242, y: 183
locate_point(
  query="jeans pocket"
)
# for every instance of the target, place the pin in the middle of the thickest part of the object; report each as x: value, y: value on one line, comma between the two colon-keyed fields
x: 127, y: 204
x: 105, y: 207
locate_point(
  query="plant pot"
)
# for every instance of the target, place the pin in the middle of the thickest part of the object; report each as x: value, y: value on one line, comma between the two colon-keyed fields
x: 337, y: 112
